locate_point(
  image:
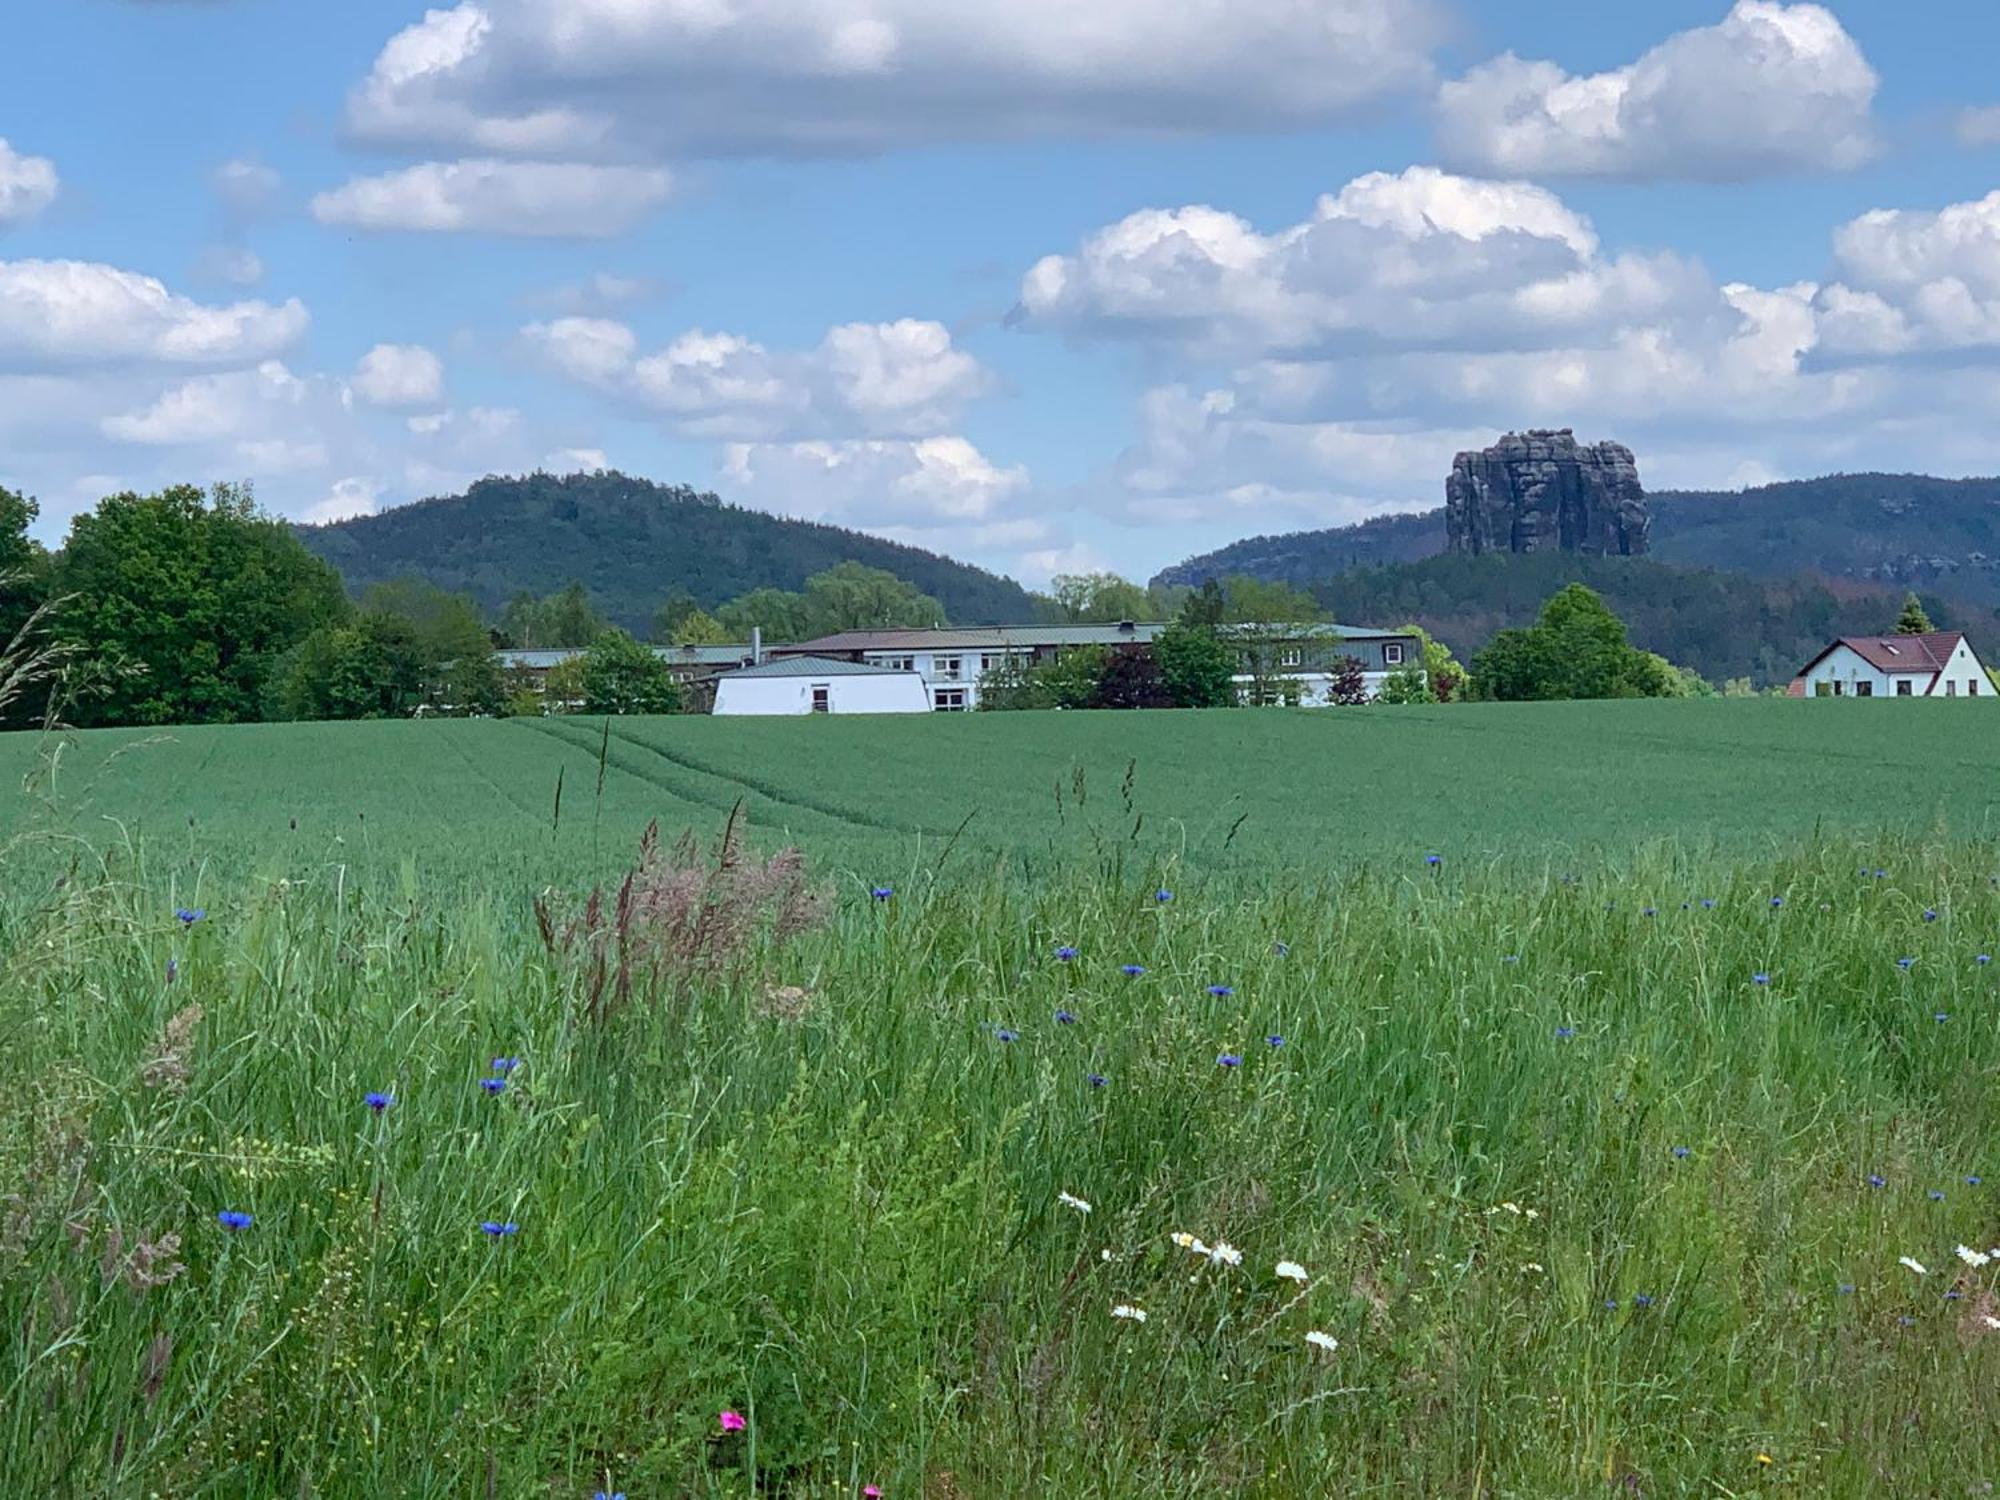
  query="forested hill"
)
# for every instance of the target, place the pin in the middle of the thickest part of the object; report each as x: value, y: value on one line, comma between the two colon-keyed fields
x: 1722, y: 624
x: 632, y: 543
x: 1899, y: 530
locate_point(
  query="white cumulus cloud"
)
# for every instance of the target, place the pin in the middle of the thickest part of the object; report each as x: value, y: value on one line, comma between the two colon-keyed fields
x: 864, y: 380
x: 1771, y: 88
x: 399, y: 375
x: 720, y: 77
x: 555, y: 200
x: 28, y: 184
x: 72, y: 312
x: 347, y: 498
x: 873, y: 483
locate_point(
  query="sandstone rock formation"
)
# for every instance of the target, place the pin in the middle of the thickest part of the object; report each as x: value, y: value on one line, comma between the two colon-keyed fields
x: 1535, y: 490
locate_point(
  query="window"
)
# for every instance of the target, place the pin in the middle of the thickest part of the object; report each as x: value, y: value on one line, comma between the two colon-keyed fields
x: 949, y: 700
x: 1836, y: 689
x: 1864, y: 689
x: 945, y: 669
x: 1951, y: 690
x: 1902, y: 687
x: 1392, y: 653
x: 1972, y: 687
x: 822, y: 698
x: 1822, y: 690
x: 895, y: 663
x: 1290, y: 656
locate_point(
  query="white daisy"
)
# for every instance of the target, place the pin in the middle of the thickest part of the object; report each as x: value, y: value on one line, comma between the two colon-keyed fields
x: 1291, y: 1270
x: 1070, y: 1200
x: 1226, y: 1254
x: 1972, y: 1257
x: 1914, y: 1265
x: 1989, y: 1320
x: 1128, y: 1311
x: 1324, y: 1341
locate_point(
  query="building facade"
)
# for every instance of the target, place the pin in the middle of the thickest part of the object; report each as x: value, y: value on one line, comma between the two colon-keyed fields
x: 1288, y: 664
x: 1939, y: 665
x: 819, y: 685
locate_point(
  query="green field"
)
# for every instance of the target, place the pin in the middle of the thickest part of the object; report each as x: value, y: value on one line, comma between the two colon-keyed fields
x: 875, y: 797
x: 1596, y: 1143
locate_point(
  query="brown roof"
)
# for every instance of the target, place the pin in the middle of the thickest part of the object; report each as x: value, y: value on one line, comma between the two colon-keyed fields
x: 1897, y: 653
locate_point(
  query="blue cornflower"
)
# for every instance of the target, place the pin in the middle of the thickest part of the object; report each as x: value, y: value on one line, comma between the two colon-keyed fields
x: 1163, y: 895
x: 1682, y: 1153
x: 495, y: 1228
x: 1642, y: 1300
x: 1905, y: 1320
x: 1221, y: 991
x: 231, y: 1220
x: 1095, y: 1080
x: 1983, y: 958
x: 506, y: 1064
x: 1649, y: 911
x: 1282, y: 949
x: 1133, y: 971
x: 493, y: 1085
x: 1936, y: 1195
x: 1006, y: 1035
x: 1510, y: 958
x: 1904, y: 963
x: 1708, y: 903
x: 1846, y: 1289
x: 1611, y: 1304
x: 1953, y: 1295
x: 378, y: 1102
x: 1064, y: 1018
x: 1230, y: 1060
x: 1881, y: 874
x: 882, y: 892
x: 1941, y: 1017
x: 1433, y: 859
x: 1760, y: 978
x: 1776, y: 902
x: 173, y: 970
x: 1876, y: 1180
x: 603, y: 1495
x: 1972, y: 1181
x: 1564, y: 1033
x: 1065, y: 953
x: 190, y: 915
x: 1929, y: 915
x: 1274, y: 1040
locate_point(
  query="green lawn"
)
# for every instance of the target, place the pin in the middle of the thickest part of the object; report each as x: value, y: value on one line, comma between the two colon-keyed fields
x: 876, y: 797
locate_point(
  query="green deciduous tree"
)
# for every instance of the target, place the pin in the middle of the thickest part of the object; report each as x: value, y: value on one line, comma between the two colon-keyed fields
x: 1098, y: 599
x: 1199, y: 667
x: 1577, y: 649
x: 565, y: 618
x: 618, y: 675
x: 846, y: 597
x: 186, y: 601
x: 1410, y: 684
x: 700, y: 629
x: 374, y: 667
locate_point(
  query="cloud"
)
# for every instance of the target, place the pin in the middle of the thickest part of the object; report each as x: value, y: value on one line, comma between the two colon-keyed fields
x: 28, y: 184
x: 245, y: 188
x: 597, y: 295
x: 576, y: 460
x: 399, y: 375
x: 693, y: 77
x: 863, y: 380
x: 1978, y: 126
x: 232, y: 264
x: 872, y: 483
x: 1422, y: 258
x: 71, y: 312
x: 348, y: 498
x: 1915, y: 281
x: 559, y: 200
x: 1772, y: 88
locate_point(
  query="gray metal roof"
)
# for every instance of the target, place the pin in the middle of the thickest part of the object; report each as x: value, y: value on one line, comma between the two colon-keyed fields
x: 695, y: 656
x: 812, y: 666
x: 997, y: 637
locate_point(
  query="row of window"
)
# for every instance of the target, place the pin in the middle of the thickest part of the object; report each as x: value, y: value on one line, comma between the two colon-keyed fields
x: 952, y: 668
x: 944, y: 700
x: 1904, y: 689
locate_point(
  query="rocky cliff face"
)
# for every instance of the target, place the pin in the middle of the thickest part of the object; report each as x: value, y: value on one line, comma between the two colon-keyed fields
x: 1542, y: 490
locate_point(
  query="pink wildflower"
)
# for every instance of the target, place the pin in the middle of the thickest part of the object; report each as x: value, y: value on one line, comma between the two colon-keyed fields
x: 733, y: 1422
x: 872, y: 1491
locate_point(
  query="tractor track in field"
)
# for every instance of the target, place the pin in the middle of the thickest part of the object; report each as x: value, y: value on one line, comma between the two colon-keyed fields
x: 486, y: 776
x: 767, y: 790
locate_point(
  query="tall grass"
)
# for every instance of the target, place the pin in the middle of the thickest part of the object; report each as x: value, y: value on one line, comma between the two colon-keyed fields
x: 1579, y: 1199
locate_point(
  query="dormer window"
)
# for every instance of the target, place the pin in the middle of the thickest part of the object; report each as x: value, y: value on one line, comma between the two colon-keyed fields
x: 1886, y: 646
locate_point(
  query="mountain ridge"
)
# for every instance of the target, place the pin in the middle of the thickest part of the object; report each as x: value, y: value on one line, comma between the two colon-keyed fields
x: 632, y: 542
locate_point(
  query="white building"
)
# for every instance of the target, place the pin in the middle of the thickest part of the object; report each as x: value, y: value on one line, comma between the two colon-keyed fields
x: 820, y: 685
x: 1285, y: 663
x: 1939, y: 665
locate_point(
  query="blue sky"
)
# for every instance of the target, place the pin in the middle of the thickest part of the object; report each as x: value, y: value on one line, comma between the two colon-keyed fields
x: 1044, y: 286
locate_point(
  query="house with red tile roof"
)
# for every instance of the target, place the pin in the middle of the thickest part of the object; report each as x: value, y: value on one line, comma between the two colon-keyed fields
x: 1938, y: 665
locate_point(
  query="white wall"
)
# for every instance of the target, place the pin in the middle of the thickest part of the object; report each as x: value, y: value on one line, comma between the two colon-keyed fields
x: 1313, y: 685
x: 877, y: 693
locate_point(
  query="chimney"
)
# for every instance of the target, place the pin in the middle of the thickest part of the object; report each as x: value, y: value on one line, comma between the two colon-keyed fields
x: 756, y: 645
x: 1128, y: 627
